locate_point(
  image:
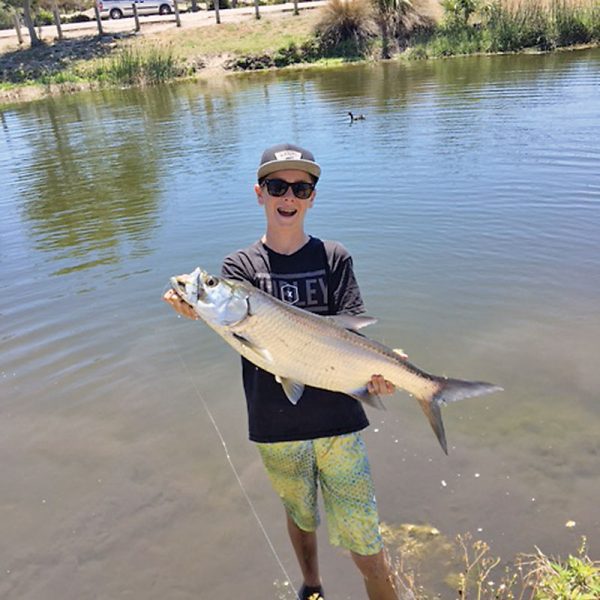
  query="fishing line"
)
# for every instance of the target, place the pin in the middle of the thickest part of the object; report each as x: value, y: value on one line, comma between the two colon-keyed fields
x: 235, y: 472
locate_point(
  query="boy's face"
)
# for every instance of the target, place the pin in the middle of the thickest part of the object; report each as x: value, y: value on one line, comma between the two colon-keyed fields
x: 286, y: 210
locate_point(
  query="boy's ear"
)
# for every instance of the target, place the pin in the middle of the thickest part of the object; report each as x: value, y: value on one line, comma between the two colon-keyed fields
x: 258, y: 192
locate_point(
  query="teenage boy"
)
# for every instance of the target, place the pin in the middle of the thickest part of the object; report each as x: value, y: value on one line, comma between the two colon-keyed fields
x: 316, y: 441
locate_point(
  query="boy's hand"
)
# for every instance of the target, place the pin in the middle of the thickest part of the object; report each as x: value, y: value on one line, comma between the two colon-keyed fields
x: 380, y: 386
x: 181, y: 307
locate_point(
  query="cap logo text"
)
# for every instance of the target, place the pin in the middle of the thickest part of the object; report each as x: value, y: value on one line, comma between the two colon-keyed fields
x: 288, y: 155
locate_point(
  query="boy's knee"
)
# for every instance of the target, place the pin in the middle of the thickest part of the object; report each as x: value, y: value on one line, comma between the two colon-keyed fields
x: 373, y: 566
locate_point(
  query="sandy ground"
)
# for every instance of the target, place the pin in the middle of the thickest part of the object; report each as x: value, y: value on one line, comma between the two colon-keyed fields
x: 150, y: 24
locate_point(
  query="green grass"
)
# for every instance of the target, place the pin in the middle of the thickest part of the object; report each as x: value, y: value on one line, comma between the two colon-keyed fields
x: 501, y: 27
x: 244, y: 38
x: 133, y: 66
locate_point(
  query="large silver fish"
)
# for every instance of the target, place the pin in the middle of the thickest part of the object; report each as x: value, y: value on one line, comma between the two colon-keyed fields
x: 301, y: 348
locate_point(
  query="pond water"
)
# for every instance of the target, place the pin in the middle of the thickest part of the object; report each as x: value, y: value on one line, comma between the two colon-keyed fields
x: 470, y: 200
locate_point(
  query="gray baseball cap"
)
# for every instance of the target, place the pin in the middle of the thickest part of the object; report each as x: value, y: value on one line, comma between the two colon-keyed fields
x: 287, y: 156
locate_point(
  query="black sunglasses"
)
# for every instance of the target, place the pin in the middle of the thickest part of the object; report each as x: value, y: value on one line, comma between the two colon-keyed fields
x: 278, y: 187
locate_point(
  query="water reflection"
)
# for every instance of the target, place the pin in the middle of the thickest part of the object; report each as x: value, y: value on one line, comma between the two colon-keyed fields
x: 91, y: 193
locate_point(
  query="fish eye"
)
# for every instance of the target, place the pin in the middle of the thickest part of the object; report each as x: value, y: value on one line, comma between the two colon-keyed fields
x: 211, y: 281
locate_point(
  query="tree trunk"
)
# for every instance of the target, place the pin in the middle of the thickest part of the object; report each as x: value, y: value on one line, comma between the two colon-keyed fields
x: 35, y: 40
x: 385, y: 35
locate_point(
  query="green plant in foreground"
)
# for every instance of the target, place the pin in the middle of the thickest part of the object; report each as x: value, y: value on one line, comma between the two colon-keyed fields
x: 577, y: 578
x: 468, y: 568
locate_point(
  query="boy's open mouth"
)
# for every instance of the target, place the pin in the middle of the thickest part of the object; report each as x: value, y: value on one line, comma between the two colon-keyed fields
x: 287, y: 212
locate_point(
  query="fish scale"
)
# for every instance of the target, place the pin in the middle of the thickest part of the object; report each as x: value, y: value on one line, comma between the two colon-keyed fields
x: 301, y: 348
x: 316, y: 351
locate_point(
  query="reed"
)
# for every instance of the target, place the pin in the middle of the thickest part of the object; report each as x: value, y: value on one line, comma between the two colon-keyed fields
x: 140, y: 67
x: 510, y: 26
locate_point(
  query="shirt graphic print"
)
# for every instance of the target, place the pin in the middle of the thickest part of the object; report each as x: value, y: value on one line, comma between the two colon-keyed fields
x: 304, y: 290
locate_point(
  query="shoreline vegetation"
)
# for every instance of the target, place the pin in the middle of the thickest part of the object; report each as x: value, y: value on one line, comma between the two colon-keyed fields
x: 468, y: 567
x: 340, y: 32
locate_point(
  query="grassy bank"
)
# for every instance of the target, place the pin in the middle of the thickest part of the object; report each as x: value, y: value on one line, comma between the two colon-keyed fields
x: 154, y: 57
x: 346, y: 30
x: 510, y: 27
x: 468, y: 568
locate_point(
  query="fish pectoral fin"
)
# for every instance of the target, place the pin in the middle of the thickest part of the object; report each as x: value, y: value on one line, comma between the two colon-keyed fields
x: 363, y: 395
x: 353, y: 322
x: 293, y: 389
x: 262, y: 352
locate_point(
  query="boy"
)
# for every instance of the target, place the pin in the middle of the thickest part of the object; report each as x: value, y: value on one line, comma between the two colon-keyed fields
x: 316, y: 441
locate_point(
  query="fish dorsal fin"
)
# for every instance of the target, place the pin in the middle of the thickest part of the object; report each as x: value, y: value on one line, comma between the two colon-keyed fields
x: 262, y: 352
x: 293, y: 389
x: 363, y: 395
x: 353, y: 322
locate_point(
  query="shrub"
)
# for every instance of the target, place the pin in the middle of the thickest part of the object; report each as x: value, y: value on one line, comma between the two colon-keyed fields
x: 288, y: 55
x: 458, y: 11
x: 570, y: 27
x: 452, y: 41
x: 222, y: 4
x: 347, y: 27
x: 418, y: 52
x: 44, y: 17
x: 6, y: 18
x: 524, y: 26
x: 77, y: 18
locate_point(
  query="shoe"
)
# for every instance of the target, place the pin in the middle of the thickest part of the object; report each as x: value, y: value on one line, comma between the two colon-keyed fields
x: 311, y: 593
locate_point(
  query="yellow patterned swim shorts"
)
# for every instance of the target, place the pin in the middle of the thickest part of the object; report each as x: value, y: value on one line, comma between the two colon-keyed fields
x: 339, y: 464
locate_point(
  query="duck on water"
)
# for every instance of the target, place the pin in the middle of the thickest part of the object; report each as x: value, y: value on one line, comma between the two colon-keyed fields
x: 354, y: 117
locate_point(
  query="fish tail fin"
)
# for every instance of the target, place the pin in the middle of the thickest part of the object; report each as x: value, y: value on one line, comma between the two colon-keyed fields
x: 451, y: 390
x: 434, y: 415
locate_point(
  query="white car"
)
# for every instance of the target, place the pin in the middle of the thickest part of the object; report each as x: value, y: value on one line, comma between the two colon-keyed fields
x: 117, y: 9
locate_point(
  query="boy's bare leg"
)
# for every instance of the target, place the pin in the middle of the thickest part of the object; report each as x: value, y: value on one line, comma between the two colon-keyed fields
x: 378, y: 576
x: 305, y: 547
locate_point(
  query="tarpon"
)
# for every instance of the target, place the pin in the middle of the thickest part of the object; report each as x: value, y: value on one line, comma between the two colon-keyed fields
x: 301, y: 348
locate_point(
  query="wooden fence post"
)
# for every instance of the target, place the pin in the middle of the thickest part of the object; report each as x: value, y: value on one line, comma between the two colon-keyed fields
x: 217, y: 14
x: 18, y: 28
x: 256, y: 9
x: 177, y: 17
x: 98, y: 20
x: 135, y: 16
x: 296, y: 11
x: 57, y: 20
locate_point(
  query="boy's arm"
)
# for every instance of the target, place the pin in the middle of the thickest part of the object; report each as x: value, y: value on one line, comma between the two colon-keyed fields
x: 345, y: 292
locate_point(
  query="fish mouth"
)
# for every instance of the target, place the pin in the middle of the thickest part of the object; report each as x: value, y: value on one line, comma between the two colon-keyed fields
x: 180, y: 285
